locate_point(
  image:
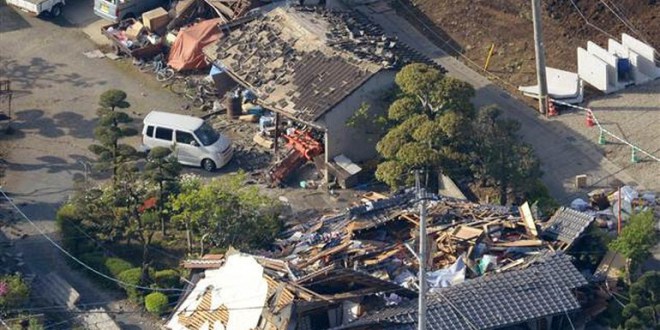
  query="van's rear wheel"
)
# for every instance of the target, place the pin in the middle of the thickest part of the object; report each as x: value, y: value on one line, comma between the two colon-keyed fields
x: 56, y: 11
x: 208, y: 165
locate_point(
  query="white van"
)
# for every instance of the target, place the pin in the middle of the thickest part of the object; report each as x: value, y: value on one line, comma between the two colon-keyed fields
x: 194, y: 141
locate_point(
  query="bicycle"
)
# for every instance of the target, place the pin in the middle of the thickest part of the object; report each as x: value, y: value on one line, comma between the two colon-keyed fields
x: 200, y: 92
x: 157, y: 66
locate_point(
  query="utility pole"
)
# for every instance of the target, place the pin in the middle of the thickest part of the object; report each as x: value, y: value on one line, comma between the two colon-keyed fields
x: 421, y: 195
x: 540, y: 57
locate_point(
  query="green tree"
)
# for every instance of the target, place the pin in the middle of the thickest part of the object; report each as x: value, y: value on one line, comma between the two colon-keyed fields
x: 230, y: 212
x: 637, y: 237
x: 163, y: 170
x: 190, y: 206
x: 501, y: 159
x: 430, y: 125
x: 643, y: 310
x: 364, y: 118
x: 110, y: 129
x: 14, y: 292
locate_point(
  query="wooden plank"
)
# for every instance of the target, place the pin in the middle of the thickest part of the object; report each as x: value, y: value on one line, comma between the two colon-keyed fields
x: 327, y: 252
x: 522, y: 242
x: 411, y: 218
x: 467, y: 233
x: 528, y: 219
x: 221, y: 8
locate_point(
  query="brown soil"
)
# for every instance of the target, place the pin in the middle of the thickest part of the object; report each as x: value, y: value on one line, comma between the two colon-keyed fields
x: 474, y: 25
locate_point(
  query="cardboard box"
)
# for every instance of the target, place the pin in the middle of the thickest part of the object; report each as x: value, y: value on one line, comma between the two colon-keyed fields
x: 155, y: 20
x: 134, y: 30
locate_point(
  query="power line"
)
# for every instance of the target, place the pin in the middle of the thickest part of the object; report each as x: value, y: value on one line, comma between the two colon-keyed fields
x: 456, y: 51
x: 76, y: 259
x: 586, y: 20
x: 624, y: 20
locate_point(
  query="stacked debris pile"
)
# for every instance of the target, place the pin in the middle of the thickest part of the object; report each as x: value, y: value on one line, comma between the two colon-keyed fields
x: 378, y: 237
x: 365, y: 254
x: 355, y: 33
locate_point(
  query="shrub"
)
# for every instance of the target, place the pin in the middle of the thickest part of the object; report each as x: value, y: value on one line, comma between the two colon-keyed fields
x: 156, y: 302
x: 166, y: 278
x: 636, y: 238
x: 14, y: 292
x: 116, y: 266
x: 132, y: 277
x: 67, y: 220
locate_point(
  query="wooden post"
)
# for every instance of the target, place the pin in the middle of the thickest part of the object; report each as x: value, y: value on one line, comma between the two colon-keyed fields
x: 618, y: 227
x: 326, y: 158
x: 490, y: 54
x: 277, y: 137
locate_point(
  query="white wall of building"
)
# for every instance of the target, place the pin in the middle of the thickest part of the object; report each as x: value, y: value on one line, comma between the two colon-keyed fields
x: 355, y: 143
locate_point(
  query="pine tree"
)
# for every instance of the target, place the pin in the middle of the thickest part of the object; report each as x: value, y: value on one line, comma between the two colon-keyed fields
x: 162, y: 169
x: 110, y: 129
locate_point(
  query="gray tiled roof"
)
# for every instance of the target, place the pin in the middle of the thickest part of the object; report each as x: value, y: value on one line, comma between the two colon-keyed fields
x: 489, y: 302
x: 567, y: 225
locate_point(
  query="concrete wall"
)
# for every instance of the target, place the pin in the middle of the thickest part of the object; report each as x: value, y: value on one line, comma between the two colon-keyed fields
x: 646, y: 63
x: 610, y: 59
x: 355, y: 143
x: 592, y: 70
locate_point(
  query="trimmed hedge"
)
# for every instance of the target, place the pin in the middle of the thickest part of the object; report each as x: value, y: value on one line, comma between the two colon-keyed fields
x: 116, y: 266
x: 156, y: 302
x: 131, y: 276
x: 66, y: 220
x: 166, y: 278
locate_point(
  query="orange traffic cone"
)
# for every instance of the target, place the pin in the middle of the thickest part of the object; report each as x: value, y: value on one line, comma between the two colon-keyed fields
x: 590, y: 119
x: 552, y: 109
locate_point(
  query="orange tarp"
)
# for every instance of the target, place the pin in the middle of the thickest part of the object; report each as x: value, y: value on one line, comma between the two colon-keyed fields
x: 186, y: 51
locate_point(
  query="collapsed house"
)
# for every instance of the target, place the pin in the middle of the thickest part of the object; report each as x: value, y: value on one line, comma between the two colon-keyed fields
x: 540, y: 296
x: 315, y: 68
x: 336, y: 266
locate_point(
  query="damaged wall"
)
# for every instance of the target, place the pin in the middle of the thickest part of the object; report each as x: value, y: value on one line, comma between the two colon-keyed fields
x: 357, y: 144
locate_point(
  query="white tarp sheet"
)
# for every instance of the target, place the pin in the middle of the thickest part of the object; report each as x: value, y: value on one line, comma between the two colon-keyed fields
x: 238, y: 285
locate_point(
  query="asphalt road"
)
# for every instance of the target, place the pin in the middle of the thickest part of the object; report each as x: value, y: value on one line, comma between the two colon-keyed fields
x: 57, y: 90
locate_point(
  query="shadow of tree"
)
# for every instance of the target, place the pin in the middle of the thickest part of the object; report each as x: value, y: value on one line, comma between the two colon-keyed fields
x: 37, y: 73
x: 35, y: 119
x: 62, y: 123
x: 76, y: 124
x: 73, y: 163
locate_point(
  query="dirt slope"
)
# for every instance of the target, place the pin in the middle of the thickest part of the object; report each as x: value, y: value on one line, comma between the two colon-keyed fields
x: 476, y: 24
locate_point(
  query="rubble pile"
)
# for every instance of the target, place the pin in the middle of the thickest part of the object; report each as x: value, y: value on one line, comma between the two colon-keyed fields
x: 354, y: 33
x: 247, y: 155
x: 379, y: 237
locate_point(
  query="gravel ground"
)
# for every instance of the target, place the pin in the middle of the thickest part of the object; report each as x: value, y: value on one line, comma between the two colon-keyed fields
x: 634, y: 115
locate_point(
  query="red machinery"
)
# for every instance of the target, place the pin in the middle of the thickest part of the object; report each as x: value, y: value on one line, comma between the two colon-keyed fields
x: 303, y: 147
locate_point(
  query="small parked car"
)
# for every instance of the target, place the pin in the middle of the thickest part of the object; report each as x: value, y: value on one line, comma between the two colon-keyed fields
x: 119, y: 10
x: 39, y: 7
x: 194, y: 141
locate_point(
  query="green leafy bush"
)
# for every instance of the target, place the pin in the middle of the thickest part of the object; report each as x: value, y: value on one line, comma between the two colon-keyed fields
x: 637, y: 238
x: 14, y: 292
x: 67, y: 220
x: 156, y: 302
x: 116, y: 266
x: 166, y: 278
x: 132, y: 278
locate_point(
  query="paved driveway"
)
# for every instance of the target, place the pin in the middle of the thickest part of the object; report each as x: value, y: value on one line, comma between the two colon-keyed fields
x: 55, y: 103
